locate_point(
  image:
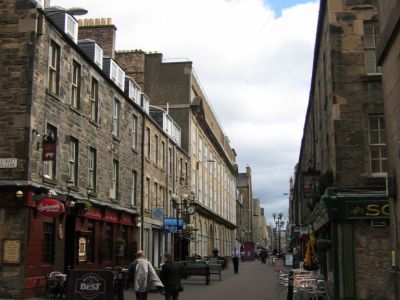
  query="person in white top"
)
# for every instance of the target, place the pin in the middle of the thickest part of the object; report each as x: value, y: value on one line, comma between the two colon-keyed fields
x: 235, y: 259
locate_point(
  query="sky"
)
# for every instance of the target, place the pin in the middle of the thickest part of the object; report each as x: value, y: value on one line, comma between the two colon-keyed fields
x: 254, y: 61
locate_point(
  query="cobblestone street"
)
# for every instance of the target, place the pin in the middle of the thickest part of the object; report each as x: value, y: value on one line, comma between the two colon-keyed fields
x: 254, y: 281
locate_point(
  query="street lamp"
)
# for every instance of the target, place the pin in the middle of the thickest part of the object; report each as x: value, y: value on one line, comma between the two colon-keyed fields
x: 180, y: 209
x: 278, y: 222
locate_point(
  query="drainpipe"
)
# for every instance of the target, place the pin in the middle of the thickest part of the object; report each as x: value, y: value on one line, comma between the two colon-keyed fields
x: 143, y: 180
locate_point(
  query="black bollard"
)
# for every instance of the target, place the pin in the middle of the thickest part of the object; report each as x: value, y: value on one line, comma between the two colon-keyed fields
x: 290, y: 286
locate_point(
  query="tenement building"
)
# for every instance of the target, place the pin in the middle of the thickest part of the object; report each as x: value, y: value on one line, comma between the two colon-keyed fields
x: 86, y: 166
x: 339, y: 189
x: 388, y: 58
x: 212, y: 172
x: 244, y: 211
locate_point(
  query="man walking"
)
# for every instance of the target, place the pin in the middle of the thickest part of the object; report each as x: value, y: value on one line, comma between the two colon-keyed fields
x: 170, y: 278
x: 146, y: 277
x: 235, y: 259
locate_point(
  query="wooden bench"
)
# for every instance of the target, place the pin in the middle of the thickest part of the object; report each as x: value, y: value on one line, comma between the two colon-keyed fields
x: 216, y: 269
x: 187, y: 270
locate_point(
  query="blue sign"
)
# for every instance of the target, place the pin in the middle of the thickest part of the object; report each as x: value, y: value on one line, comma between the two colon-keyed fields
x: 158, y: 213
x: 170, y: 225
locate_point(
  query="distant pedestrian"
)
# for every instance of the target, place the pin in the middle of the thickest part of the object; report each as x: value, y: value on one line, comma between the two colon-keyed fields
x: 132, y: 271
x: 170, y: 278
x: 215, y: 252
x: 146, y: 277
x: 235, y: 259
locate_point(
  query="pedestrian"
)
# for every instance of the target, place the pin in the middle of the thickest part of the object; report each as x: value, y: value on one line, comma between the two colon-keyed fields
x: 215, y: 252
x: 235, y: 259
x: 146, y: 277
x: 132, y: 271
x: 170, y: 278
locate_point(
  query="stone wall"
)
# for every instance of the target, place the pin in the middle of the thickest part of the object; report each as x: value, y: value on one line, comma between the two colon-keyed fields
x: 371, y: 254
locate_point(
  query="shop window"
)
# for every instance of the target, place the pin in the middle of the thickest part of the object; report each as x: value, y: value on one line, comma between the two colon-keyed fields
x: 48, y: 243
x: 82, y: 245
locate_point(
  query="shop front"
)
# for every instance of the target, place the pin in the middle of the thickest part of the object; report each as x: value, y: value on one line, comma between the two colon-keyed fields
x: 352, y: 240
x: 65, y: 233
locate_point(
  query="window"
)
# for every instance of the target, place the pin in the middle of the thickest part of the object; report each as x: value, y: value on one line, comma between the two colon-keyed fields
x: 116, y: 118
x: 155, y: 194
x: 109, y: 241
x: 170, y: 162
x: 115, y: 180
x: 71, y: 27
x: 90, y: 241
x: 147, y: 194
x: 76, y: 85
x: 163, y: 155
x: 98, y: 55
x: 49, y: 166
x: 194, y: 144
x: 134, y: 132
x: 377, y: 141
x: 371, y: 39
x: 117, y: 75
x: 200, y: 148
x: 92, y: 168
x: 54, y: 68
x: 133, y: 188
x: 156, y: 145
x: 48, y: 243
x: 94, y: 101
x: 73, y: 160
x: 147, y: 143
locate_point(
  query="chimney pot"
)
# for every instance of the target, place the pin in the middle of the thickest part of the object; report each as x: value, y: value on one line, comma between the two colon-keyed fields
x: 97, y: 22
x: 103, y: 21
x: 109, y: 21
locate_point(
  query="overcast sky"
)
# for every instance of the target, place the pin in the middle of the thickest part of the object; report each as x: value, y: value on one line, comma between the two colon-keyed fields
x: 254, y: 60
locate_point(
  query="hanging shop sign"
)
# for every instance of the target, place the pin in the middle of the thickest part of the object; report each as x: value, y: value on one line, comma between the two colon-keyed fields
x: 49, y: 150
x: 11, y: 251
x: 170, y: 225
x: 50, y: 207
x: 88, y: 285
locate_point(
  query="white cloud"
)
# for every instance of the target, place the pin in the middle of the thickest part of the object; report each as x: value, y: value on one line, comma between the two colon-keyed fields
x: 254, y: 66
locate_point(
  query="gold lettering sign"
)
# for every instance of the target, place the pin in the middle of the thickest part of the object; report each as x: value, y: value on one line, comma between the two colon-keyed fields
x: 374, y: 210
x: 11, y: 251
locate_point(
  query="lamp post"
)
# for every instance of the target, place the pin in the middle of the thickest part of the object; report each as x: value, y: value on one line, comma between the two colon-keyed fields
x: 278, y: 222
x: 180, y: 209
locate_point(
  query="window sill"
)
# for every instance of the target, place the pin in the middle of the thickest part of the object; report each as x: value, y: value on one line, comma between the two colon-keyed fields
x: 50, y: 181
x: 135, y: 150
x: 52, y: 95
x: 94, y: 123
x: 114, y: 200
x: 75, y: 110
x: 116, y: 138
x: 371, y: 77
x: 74, y: 188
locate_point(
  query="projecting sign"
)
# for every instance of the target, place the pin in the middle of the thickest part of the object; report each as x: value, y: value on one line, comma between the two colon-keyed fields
x: 8, y: 163
x: 170, y: 225
x: 49, y: 207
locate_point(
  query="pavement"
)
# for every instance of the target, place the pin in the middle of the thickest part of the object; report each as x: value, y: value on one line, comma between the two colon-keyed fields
x: 255, y: 281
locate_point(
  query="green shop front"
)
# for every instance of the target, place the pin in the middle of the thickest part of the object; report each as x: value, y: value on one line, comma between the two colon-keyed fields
x: 353, y: 241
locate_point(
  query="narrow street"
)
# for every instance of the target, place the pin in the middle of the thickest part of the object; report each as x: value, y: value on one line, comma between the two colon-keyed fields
x: 254, y: 281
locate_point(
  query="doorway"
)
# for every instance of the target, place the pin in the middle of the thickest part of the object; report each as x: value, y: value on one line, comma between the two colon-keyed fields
x: 69, y: 254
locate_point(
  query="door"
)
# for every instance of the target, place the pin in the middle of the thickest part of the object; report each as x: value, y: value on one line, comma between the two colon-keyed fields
x: 69, y: 258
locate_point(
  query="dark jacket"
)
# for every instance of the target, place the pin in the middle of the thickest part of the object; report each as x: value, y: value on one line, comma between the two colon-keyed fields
x: 170, y: 276
x: 132, y: 272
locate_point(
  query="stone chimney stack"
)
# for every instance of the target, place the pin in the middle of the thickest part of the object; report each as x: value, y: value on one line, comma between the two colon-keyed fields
x: 102, y: 31
x: 133, y: 63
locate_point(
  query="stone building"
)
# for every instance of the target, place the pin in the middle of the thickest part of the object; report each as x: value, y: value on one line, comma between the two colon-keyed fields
x: 75, y: 166
x: 174, y: 87
x: 244, y: 217
x: 344, y: 146
x: 389, y: 14
x: 258, y: 224
x: 164, y: 163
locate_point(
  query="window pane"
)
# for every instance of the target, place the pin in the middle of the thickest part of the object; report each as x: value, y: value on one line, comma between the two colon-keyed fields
x: 374, y: 136
x: 373, y: 122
